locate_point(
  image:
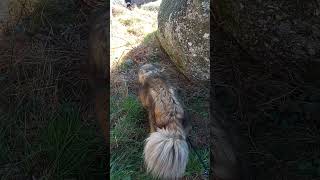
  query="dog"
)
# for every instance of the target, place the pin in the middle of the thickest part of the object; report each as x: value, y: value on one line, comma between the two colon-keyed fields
x: 166, y: 150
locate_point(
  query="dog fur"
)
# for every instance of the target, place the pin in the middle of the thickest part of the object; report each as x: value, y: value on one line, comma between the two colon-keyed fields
x: 166, y: 149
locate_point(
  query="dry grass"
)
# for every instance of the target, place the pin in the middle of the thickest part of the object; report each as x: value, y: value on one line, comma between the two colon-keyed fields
x: 47, y: 124
x: 133, y: 43
x: 131, y: 28
x: 45, y: 99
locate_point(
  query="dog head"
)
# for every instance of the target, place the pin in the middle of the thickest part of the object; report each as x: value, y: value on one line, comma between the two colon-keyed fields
x: 148, y: 71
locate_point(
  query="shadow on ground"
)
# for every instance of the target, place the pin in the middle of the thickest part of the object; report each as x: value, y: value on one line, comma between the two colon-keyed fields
x: 194, y: 96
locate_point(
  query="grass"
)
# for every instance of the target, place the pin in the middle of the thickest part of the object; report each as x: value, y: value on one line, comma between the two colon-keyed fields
x: 197, y: 105
x: 130, y: 21
x: 129, y: 121
x: 127, y: 136
x: 46, y: 131
x: 128, y: 133
x: 194, y: 167
x: 131, y: 28
x: 124, y: 66
x: 47, y: 128
x: 72, y: 148
x: 65, y: 148
x: 53, y: 10
x: 4, y: 144
x: 149, y: 38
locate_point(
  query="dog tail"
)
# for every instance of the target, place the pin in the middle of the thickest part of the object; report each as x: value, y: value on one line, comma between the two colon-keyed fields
x: 166, y: 153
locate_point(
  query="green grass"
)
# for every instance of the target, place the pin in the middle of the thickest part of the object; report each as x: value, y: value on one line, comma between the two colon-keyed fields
x: 149, y: 38
x: 71, y: 147
x: 194, y: 166
x: 63, y: 148
x: 128, y: 133
x: 129, y: 126
x: 197, y: 106
x: 43, y: 132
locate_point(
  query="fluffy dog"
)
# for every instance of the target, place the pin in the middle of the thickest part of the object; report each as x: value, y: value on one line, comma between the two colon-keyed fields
x: 166, y: 149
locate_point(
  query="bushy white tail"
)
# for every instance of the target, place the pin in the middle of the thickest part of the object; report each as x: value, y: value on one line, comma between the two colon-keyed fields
x: 166, y: 153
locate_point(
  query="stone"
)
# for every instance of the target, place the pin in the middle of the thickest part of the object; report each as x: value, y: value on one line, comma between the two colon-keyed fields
x: 183, y: 32
x: 295, y: 25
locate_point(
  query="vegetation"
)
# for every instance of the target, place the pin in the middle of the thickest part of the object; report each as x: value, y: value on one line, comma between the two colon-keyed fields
x: 129, y: 121
x: 47, y: 127
x: 47, y: 122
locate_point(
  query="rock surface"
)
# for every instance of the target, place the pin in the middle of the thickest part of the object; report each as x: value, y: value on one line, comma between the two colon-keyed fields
x: 141, y: 2
x: 273, y: 30
x: 136, y: 2
x: 183, y: 31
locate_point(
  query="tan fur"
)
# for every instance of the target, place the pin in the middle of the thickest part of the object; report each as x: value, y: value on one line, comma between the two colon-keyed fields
x: 166, y: 150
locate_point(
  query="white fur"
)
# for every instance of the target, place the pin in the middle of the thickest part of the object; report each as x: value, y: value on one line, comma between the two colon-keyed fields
x: 166, y: 153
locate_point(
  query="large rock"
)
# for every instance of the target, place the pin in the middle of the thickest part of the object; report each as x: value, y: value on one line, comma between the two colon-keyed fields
x: 273, y: 30
x: 183, y: 31
x: 141, y: 2
x: 136, y: 2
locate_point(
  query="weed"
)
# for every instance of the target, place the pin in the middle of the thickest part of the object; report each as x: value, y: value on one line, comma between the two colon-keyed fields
x: 198, y: 106
x: 135, y: 31
x: 129, y: 22
x: 149, y: 38
x: 42, y: 129
x: 127, y: 139
x: 129, y: 126
x: 194, y: 166
x: 70, y: 147
x: 4, y: 146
